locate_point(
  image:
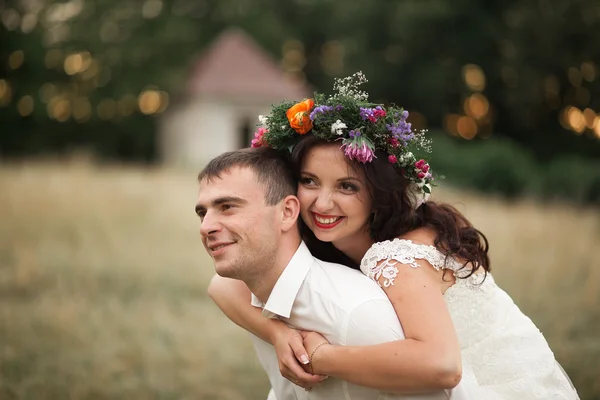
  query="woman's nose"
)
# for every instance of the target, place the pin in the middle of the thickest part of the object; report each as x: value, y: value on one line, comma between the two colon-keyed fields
x: 324, y: 201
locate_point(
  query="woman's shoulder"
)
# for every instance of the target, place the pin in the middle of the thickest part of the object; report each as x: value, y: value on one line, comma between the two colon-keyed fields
x: 418, y: 244
x: 418, y: 239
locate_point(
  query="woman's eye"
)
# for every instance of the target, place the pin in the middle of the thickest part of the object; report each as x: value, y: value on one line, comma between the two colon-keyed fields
x: 307, y: 181
x: 348, y: 187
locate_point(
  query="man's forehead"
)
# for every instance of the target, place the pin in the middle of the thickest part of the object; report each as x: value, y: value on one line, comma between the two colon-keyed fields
x: 234, y: 181
x: 243, y: 174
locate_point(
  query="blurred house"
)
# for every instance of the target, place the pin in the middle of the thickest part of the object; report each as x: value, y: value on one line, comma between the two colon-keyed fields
x: 232, y: 83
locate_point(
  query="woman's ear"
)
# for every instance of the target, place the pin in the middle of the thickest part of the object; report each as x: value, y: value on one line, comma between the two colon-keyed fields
x: 290, y: 213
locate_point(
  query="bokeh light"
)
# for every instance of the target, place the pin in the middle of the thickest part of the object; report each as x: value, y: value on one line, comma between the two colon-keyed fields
x: 588, y: 71
x: 575, y: 119
x: 466, y: 127
x: 153, y: 101
x: 25, y: 105
x: 59, y: 108
x: 476, y: 105
x: 474, y: 77
x: 77, y: 62
x: 16, y: 59
x: 5, y: 93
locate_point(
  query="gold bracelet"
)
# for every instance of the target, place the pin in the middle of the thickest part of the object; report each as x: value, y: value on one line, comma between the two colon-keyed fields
x: 311, y: 356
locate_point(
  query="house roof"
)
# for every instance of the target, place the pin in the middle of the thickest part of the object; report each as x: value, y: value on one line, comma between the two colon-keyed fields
x: 234, y: 65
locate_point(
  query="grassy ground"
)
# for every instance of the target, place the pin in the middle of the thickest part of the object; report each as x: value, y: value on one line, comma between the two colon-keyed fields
x: 103, y: 280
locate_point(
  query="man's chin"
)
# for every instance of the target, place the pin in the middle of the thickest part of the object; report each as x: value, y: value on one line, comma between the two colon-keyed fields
x: 226, y: 271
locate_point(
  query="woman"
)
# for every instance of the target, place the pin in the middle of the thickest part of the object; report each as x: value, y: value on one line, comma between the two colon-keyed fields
x: 363, y: 198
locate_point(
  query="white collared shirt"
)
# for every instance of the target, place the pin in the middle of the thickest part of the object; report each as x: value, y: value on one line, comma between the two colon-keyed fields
x: 343, y: 305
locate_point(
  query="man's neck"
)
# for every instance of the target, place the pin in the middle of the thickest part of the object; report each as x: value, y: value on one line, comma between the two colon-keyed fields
x: 262, y: 285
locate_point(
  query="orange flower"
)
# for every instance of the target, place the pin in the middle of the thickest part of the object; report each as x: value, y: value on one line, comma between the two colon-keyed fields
x: 299, y: 116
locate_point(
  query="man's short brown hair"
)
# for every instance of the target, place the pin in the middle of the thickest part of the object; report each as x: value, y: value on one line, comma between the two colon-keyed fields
x: 272, y: 168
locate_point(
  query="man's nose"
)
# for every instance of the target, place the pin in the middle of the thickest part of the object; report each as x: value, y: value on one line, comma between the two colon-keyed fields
x: 324, y: 201
x: 209, y: 225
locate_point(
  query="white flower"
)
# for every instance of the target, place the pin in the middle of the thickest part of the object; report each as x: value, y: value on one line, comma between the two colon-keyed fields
x: 263, y: 120
x: 337, y: 127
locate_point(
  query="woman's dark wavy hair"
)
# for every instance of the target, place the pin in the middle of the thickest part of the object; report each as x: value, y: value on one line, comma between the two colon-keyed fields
x: 394, y: 216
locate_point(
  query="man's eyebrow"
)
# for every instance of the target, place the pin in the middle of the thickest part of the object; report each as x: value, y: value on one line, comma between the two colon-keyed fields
x: 221, y: 200
x: 229, y: 199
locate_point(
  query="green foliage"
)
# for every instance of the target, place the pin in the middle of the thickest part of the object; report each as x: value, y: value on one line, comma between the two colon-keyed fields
x: 572, y: 179
x: 492, y: 166
x: 502, y: 167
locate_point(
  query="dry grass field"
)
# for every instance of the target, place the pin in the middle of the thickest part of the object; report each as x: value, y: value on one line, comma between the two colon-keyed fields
x: 103, y: 286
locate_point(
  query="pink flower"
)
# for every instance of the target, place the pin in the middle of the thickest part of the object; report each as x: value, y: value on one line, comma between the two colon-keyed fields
x: 420, y: 164
x: 425, y: 168
x: 379, y: 112
x: 421, y: 175
x: 259, y: 140
x: 359, y: 149
x: 394, y: 142
x: 392, y: 159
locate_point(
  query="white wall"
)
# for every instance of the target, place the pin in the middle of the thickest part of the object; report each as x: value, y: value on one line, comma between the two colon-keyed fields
x: 199, y: 130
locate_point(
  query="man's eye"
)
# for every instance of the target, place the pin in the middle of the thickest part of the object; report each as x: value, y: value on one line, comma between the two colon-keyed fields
x: 226, y: 207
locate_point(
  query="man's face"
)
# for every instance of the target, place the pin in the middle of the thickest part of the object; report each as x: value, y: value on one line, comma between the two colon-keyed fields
x: 239, y: 230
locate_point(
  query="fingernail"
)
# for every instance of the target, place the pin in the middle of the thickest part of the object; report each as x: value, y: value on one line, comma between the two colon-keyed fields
x: 304, y: 359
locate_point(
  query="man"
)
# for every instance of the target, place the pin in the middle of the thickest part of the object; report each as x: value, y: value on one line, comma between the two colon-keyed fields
x: 249, y: 212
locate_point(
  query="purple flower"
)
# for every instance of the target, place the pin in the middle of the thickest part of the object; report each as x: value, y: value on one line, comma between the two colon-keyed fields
x: 319, y: 110
x: 367, y: 114
x: 354, y: 133
x: 372, y: 114
x: 401, y: 129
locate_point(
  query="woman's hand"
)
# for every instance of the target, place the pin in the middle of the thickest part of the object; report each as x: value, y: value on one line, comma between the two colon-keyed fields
x: 293, y: 358
x: 315, y: 344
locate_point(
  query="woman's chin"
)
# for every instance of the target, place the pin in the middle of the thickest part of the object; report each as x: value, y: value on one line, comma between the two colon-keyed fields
x: 325, y: 236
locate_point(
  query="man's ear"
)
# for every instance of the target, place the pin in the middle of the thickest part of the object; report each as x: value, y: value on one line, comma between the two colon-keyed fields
x: 290, y: 213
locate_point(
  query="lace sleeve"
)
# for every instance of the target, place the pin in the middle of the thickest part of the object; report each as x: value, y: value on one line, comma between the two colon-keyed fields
x: 382, y: 258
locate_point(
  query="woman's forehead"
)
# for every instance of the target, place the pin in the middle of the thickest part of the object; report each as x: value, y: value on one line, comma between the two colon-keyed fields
x: 328, y: 159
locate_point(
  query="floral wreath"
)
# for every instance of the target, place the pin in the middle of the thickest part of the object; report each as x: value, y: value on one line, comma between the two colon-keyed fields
x: 361, y: 126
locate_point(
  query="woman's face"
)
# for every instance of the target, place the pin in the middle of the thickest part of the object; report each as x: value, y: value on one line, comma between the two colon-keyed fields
x: 334, y: 199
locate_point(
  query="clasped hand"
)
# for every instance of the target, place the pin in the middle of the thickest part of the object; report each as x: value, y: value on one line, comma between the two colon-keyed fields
x: 293, y: 351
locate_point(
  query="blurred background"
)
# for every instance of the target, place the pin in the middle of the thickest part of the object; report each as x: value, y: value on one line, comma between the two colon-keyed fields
x: 109, y: 108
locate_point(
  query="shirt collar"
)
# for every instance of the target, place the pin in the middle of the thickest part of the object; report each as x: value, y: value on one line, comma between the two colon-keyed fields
x: 286, y: 288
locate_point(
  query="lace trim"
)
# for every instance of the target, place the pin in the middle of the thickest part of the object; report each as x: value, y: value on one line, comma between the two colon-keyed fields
x: 404, y: 251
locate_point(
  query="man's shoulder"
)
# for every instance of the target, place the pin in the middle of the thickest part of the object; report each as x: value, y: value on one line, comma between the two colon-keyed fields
x: 339, y: 281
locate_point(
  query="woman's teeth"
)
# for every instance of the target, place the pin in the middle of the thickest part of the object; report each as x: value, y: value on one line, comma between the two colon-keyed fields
x: 329, y: 220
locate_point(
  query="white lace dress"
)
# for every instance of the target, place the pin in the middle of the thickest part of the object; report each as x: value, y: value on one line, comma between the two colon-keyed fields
x: 504, y: 354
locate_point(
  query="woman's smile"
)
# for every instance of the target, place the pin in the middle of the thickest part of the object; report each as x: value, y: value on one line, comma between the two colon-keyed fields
x: 326, y: 221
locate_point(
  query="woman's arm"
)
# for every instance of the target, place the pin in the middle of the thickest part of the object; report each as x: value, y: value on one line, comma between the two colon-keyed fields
x: 233, y: 298
x: 429, y: 357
